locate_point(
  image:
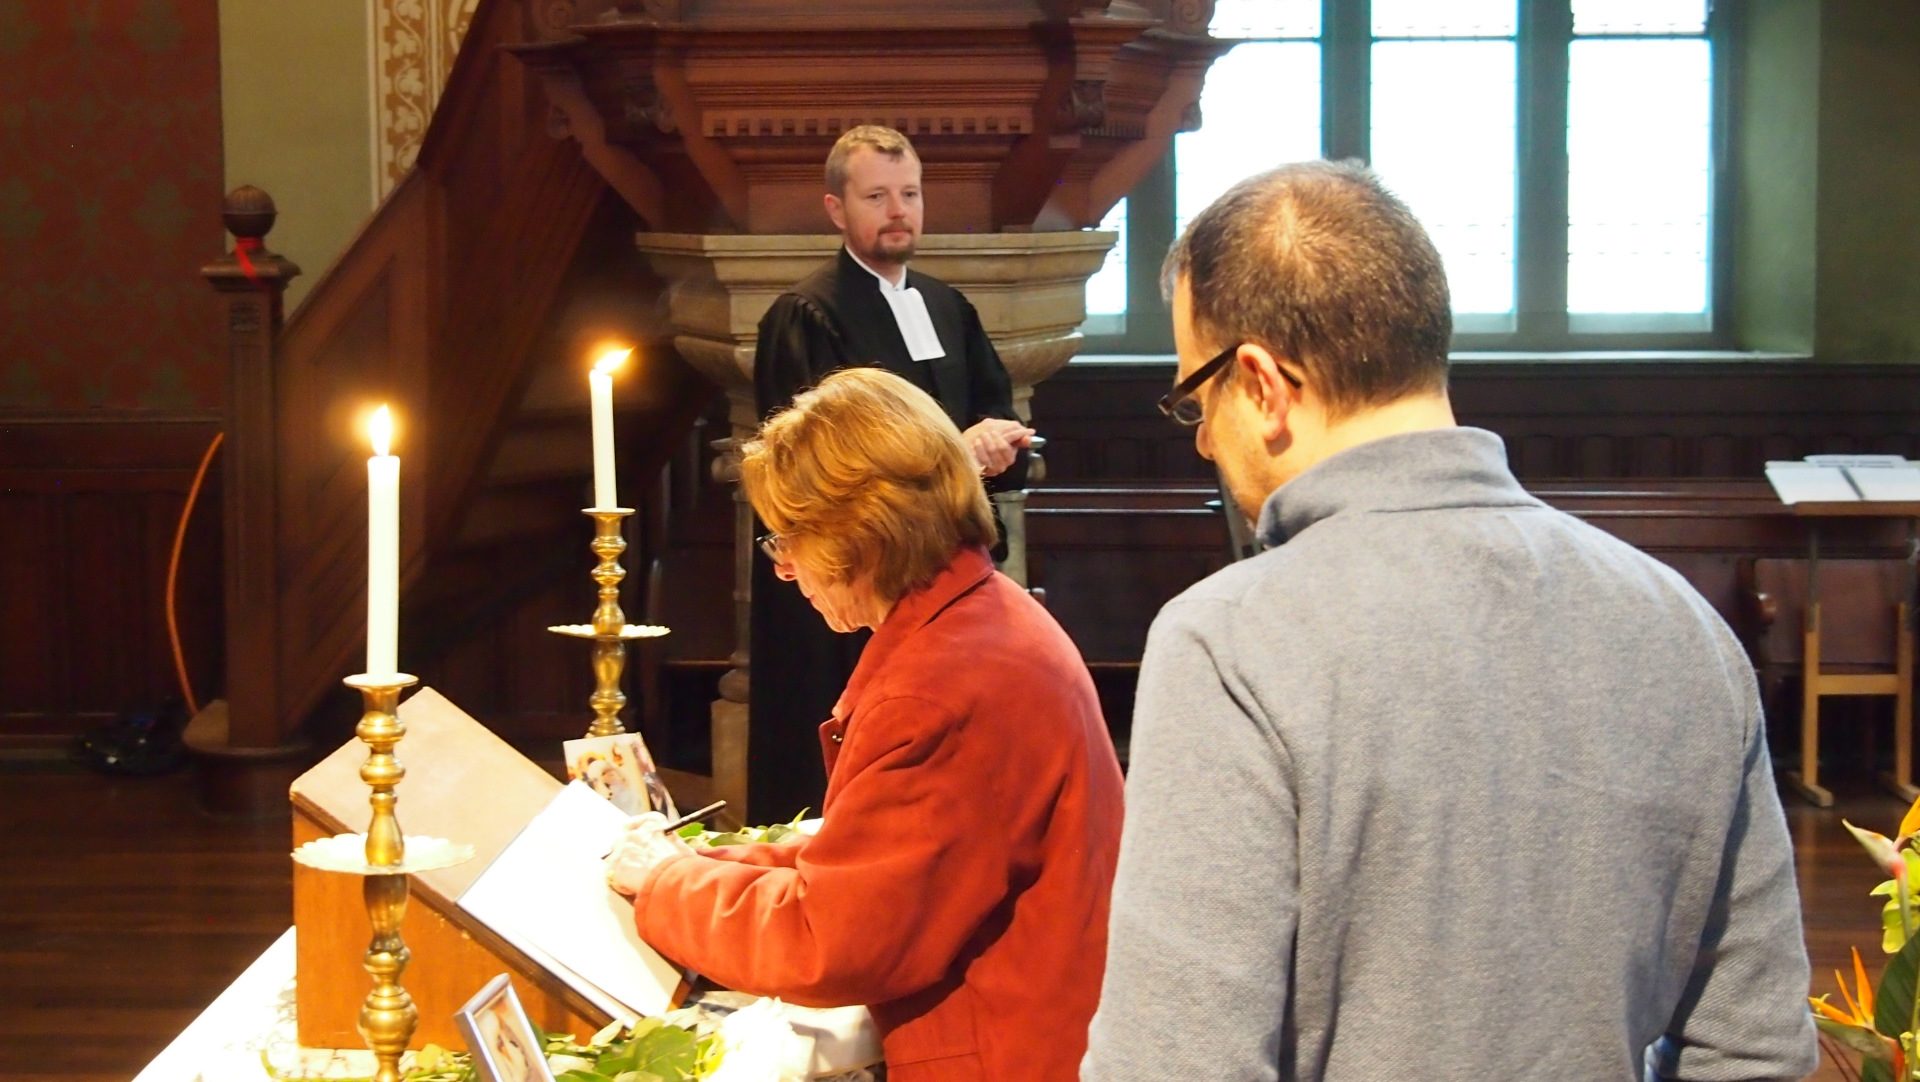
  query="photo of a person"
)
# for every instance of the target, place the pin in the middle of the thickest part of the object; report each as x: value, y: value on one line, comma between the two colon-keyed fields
x: 600, y: 772
x: 620, y: 768
x: 502, y: 1040
x: 511, y: 1059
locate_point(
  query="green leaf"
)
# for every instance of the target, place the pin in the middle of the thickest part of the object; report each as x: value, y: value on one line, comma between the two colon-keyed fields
x: 668, y: 1052
x: 1893, y: 936
x: 1893, y: 999
x: 1866, y: 1042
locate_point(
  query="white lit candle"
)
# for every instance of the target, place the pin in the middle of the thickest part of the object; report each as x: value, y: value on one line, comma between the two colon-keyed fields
x: 600, y: 384
x: 383, y: 549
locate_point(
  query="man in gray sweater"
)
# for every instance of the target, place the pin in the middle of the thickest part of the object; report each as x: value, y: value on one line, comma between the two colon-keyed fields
x: 1446, y: 784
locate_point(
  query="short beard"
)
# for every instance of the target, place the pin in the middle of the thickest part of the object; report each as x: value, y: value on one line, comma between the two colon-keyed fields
x: 897, y: 257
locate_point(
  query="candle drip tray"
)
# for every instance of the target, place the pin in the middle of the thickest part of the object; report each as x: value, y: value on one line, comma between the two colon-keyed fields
x: 627, y: 631
x: 348, y: 853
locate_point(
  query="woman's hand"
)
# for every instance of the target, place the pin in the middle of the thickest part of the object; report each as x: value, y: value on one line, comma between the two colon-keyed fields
x: 995, y: 443
x: 645, y: 846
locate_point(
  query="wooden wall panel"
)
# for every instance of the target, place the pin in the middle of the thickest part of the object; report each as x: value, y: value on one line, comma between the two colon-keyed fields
x: 1108, y: 569
x: 1672, y: 418
x: 1120, y: 524
x: 1106, y: 572
x: 90, y: 508
x: 1118, y: 527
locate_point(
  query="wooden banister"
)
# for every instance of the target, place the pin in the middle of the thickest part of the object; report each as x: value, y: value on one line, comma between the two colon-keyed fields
x: 252, y: 281
x: 441, y: 305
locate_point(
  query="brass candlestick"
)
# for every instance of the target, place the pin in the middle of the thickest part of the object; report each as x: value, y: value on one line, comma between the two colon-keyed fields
x: 609, y: 631
x: 385, y: 857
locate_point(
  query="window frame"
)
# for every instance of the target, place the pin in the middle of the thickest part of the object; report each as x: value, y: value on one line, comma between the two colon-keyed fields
x: 1541, y: 324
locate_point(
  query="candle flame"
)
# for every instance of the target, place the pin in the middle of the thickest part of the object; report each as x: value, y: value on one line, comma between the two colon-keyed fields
x: 612, y: 358
x: 380, y: 429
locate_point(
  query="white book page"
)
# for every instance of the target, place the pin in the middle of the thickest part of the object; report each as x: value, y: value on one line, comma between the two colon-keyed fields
x: 1801, y: 482
x: 547, y: 893
x: 1856, y: 460
x: 1886, y: 482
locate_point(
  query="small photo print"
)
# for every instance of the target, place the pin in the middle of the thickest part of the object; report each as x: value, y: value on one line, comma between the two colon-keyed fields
x: 502, y: 1039
x: 620, y: 768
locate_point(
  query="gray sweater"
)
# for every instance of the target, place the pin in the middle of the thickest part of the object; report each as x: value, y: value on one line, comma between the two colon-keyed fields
x: 1448, y: 785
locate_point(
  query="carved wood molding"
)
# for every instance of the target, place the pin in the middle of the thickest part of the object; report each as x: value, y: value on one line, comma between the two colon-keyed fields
x: 1028, y: 114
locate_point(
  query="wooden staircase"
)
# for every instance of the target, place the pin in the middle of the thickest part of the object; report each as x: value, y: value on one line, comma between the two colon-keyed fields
x: 469, y: 301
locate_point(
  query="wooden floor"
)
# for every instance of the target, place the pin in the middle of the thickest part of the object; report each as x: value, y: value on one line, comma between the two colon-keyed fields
x: 123, y: 911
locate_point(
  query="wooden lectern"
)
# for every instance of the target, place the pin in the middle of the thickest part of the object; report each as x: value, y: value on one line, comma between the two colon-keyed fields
x: 464, y: 784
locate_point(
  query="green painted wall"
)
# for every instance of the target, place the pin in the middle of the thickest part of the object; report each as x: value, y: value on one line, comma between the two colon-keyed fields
x: 1775, y: 112
x: 295, y: 79
x: 1868, y: 292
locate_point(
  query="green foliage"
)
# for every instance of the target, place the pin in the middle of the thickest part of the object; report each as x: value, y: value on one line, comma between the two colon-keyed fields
x: 1887, y: 1041
x: 1893, y: 936
x: 1854, y: 1038
x: 745, y: 835
x: 1893, y: 1000
x: 654, y: 1051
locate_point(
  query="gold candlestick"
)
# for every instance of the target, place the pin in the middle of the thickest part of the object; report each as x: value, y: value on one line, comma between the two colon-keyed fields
x: 385, y: 857
x: 609, y: 631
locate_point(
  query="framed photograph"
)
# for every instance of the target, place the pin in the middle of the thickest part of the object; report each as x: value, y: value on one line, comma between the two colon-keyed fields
x: 620, y: 768
x: 502, y: 1039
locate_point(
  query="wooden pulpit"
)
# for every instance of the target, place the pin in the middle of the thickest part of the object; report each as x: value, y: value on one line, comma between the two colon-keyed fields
x: 464, y: 784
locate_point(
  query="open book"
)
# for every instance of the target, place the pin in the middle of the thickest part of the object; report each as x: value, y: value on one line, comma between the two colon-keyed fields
x: 547, y: 894
x: 1845, y: 479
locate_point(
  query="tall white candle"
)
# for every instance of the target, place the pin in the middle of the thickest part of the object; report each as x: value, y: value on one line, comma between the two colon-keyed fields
x: 383, y: 550
x: 600, y: 386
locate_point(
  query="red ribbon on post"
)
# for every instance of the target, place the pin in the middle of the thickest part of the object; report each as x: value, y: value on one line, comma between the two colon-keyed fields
x: 241, y: 247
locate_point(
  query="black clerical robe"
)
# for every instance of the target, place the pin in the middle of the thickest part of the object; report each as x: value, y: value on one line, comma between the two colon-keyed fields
x: 836, y: 318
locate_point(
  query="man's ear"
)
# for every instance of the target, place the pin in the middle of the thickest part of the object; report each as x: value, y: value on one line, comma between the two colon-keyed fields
x: 1273, y: 395
x: 836, y: 212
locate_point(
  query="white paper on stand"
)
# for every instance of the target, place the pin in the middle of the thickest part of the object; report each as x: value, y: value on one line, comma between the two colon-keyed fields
x: 547, y: 894
x: 1886, y: 482
x: 1849, y: 461
x: 1804, y: 482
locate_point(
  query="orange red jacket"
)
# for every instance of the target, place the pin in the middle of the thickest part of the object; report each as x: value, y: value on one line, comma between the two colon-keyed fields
x: 958, y: 886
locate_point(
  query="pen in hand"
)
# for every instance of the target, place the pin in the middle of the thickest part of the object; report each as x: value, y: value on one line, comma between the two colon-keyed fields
x: 672, y: 826
x: 694, y: 816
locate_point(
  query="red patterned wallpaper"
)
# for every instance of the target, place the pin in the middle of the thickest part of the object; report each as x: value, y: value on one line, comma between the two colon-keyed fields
x: 110, y: 187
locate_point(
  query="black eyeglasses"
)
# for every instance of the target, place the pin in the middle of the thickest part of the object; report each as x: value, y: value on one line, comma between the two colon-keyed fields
x: 1185, y: 409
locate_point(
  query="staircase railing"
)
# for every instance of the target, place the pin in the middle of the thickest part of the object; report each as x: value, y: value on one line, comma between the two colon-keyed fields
x: 439, y: 306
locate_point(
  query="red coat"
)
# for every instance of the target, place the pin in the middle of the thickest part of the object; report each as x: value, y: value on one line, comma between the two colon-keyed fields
x: 959, y: 885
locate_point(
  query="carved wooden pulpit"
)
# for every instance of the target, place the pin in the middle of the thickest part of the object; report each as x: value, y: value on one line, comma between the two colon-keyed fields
x: 713, y: 118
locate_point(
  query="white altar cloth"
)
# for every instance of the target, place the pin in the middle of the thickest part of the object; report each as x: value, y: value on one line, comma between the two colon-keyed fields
x: 250, y: 1027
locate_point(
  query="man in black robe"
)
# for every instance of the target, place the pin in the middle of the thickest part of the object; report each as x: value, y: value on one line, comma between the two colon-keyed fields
x: 865, y: 308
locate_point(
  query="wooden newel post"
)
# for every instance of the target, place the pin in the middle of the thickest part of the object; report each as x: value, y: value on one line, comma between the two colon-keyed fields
x: 244, y: 743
